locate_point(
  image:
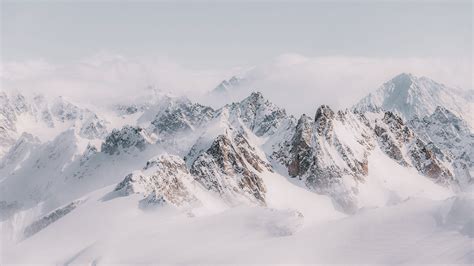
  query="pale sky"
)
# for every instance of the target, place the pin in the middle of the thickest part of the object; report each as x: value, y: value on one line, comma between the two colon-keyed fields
x: 302, y: 54
x: 210, y: 34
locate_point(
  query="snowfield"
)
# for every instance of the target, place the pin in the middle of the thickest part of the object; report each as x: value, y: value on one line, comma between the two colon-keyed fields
x: 414, y: 231
x: 298, y: 226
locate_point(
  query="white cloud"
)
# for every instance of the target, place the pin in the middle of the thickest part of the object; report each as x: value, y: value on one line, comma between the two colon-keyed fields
x: 293, y: 81
x: 301, y: 84
x: 106, y: 77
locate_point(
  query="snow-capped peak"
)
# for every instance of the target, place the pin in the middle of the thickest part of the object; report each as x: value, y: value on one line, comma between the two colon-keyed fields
x: 410, y: 96
x: 227, y: 86
x: 258, y: 114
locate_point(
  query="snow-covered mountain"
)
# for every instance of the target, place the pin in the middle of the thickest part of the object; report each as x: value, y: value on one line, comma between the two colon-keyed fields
x: 410, y: 96
x: 152, y: 164
x: 441, y: 116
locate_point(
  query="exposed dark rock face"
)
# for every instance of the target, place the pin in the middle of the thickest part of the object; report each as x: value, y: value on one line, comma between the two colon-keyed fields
x: 451, y: 138
x: 324, y: 121
x: 228, y: 167
x: 391, y: 143
x: 396, y: 125
x: 124, y: 139
x: 181, y: 117
x: 301, y: 150
x: 400, y: 143
x: 127, y: 109
x: 48, y: 219
x: 425, y: 161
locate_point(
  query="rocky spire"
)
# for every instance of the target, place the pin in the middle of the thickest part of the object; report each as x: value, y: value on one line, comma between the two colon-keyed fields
x: 324, y: 121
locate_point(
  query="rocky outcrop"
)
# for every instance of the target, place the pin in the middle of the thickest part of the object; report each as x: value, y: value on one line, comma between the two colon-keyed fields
x: 400, y: 143
x: 92, y: 127
x: 451, y: 138
x: 164, y: 179
x: 124, y: 139
x: 324, y: 121
x: 258, y: 114
x: 229, y: 167
x: 424, y: 160
x: 50, y: 218
x: 301, y: 148
x: 124, y: 110
x: 181, y: 117
x: 391, y: 134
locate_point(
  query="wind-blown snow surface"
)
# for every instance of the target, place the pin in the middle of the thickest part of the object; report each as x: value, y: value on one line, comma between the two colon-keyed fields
x: 414, y: 231
x: 175, y: 182
x: 297, y: 227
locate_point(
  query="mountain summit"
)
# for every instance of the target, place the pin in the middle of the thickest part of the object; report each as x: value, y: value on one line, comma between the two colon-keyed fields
x: 410, y: 96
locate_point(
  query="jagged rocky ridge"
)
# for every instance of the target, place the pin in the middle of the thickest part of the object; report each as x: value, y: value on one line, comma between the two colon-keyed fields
x: 183, y: 116
x: 164, y: 179
x: 228, y: 168
x: 124, y: 139
x: 452, y: 138
x: 225, y: 163
x: 401, y: 144
x: 324, y: 151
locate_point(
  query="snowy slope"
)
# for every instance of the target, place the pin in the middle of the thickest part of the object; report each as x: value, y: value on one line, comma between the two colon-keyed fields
x: 414, y: 231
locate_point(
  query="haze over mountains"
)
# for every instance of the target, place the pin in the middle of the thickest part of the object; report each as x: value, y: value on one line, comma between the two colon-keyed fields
x: 114, y: 181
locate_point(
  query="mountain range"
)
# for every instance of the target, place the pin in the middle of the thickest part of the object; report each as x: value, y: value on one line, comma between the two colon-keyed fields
x: 62, y: 161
